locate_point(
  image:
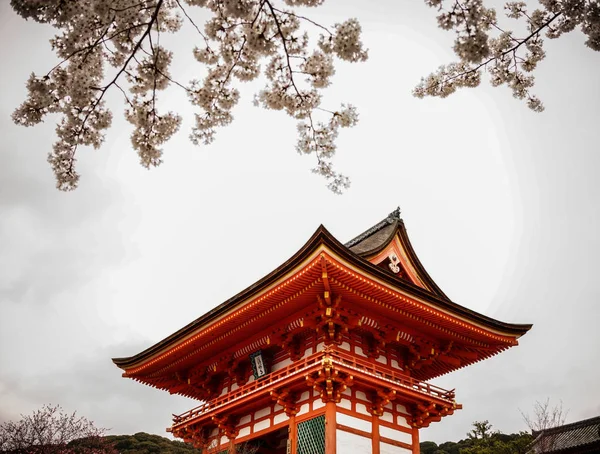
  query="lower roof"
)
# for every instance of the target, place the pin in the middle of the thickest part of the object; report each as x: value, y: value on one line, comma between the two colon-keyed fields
x: 323, y: 239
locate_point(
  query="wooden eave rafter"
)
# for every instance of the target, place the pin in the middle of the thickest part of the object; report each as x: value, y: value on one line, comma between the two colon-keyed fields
x: 301, y: 272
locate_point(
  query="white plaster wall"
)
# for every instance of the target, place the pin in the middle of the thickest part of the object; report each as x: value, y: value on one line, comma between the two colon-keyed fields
x: 265, y: 423
x: 395, y: 435
x: 387, y: 416
x: 280, y: 418
x: 262, y: 413
x: 401, y: 421
x: 244, y: 431
x: 345, y: 403
x: 386, y: 448
x: 347, y: 442
x: 401, y: 408
x: 281, y: 364
x: 355, y: 423
x: 362, y: 409
x: 244, y: 420
x: 303, y: 409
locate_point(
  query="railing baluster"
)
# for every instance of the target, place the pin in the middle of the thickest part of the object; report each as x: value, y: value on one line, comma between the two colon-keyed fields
x: 341, y: 357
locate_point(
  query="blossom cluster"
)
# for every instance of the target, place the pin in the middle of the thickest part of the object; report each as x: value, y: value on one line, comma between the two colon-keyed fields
x: 115, y: 44
x: 482, y: 44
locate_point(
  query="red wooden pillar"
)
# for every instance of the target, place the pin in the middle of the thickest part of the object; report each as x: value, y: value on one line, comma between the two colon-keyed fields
x: 415, y: 441
x: 293, y: 434
x: 330, y: 428
x: 375, y: 433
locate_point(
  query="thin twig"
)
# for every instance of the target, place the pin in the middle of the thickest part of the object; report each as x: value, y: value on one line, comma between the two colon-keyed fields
x: 297, y: 16
x: 192, y: 22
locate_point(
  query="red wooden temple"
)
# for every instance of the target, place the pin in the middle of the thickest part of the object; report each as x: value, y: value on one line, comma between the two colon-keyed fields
x: 331, y: 352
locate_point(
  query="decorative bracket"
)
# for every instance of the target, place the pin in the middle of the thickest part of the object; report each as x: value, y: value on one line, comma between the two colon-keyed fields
x: 287, y: 400
x: 329, y: 382
x: 292, y: 343
x: 423, y: 415
x: 197, y: 436
x: 329, y: 320
x: 239, y: 370
x: 380, y: 399
x: 373, y: 344
x: 423, y: 353
x: 227, y: 425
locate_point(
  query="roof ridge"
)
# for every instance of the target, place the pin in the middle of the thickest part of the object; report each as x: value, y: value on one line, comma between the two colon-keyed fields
x: 570, y: 426
x: 390, y: 219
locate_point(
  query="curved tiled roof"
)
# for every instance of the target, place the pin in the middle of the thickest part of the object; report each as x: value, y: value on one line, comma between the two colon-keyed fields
x: 578, y: 437
x: 355, y: 253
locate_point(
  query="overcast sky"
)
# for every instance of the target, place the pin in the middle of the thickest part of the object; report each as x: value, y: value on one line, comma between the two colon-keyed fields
x: 501, y: 205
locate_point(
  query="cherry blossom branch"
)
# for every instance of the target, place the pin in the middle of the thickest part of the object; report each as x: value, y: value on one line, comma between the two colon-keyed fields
x: 91, y: 46
x: 103, y: 90
x: 506, y: 52
x: 242, y: 34
x: 285, y: 49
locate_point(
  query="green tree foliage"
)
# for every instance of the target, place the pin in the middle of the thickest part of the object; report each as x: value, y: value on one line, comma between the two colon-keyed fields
x: 482, y: 440
x: 143, y: 443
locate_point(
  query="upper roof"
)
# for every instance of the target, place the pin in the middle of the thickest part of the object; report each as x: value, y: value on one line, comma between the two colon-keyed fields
x: 375, y: 239
x: 382, y: 253
x: 578, y: 437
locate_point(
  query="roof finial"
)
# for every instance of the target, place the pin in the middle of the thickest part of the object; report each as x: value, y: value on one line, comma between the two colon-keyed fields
x: 394, y: 216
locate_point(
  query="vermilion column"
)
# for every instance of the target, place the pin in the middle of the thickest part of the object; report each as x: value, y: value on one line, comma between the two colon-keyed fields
x: 293, y: 434
x: 375, y: 434
x: 330, y: 428
x: 415, y: 441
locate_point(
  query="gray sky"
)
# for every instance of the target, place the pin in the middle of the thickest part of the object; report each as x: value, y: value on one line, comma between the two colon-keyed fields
x: 501, y: 205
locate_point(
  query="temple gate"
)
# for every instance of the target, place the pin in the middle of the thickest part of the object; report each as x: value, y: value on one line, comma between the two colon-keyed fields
x: 331, y: 352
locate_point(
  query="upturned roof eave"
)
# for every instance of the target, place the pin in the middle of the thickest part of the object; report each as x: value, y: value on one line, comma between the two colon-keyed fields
x: 322, y: 237
x: 314, y: 241
x: 399, y: 229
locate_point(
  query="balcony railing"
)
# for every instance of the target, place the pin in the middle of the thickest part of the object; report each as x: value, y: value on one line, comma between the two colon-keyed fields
x: 312, y: 363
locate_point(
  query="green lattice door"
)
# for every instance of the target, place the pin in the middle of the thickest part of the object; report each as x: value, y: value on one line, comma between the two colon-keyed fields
x: 311, y: 436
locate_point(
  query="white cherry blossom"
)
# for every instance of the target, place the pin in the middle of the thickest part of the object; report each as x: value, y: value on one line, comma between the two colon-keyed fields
x: 244, y: 39
x: 240, y: 38
x: 482, y: 43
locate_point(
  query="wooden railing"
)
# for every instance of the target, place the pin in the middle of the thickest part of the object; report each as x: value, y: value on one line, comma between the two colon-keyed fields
x: 383, y: 372
x: 315, y: 361
x: 310, y: 362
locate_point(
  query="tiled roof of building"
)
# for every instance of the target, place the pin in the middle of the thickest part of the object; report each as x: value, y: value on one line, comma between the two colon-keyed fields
x: 356, y: 252
x: 376, y: 236
x: 578, y: 437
